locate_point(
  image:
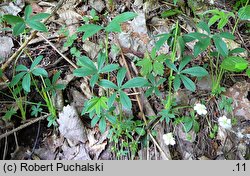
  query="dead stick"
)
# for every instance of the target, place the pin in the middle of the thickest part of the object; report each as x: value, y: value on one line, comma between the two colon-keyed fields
x: 23, y: 126
x: 33, y: 34
x: 53, y: 46
x: 140, y: 105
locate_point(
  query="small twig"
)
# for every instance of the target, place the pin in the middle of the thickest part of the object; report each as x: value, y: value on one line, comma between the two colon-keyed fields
x: 23, y: 126
x: 33, y: 34
x: 37, y: 136
x: 53, y: 46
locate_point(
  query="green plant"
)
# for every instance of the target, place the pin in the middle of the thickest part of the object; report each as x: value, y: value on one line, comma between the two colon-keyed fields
x: 180, y: 77
x: 88, y: 68
x: 214, y: 131
x: 220, y: 16
x: 35, y: 110
x: 52, y: 86
x: 25, y: 74
x: 189, y: 123
x: 229, y: 63
x: 7, y: 116
x: 34, y: 22
x: 119, y: 88
x: 153, y: 85
x: 91, y: 18
x: 114, y: 26
x: 151, y: 62
x: 122, y: 133
x: 226, y: 104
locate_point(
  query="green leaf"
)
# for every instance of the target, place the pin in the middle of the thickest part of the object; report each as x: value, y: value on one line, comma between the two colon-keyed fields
x: 171, y: 65
x: 204, y: 26
x: 89, y: 30
x: 248, y: 72
x: 1, y: 73
x: 244, y: 13
x: 39, y: 17
x: 11, y: 19
x: 177, y: 82
x: 146, y: 66
x: 102, y: 125
x: 162, y: 40
x: 196, y: 126
x: 194, y: 36
x: 234, y: 64
x: 19, y: 28
x: 56, y: 77
x: 120, y: 76
x: 213, y: 20
x: 114, y: 25
x: 26, y: 82
x: 85, y: 62
x: 108, y: 84
x: 169, y: 13
x: 7, y: 116
x: 93, y: 80
x: 188, y: 83
x: 135, y: 82
x: 40, y: 72
x: 100, y: 60
x: 109, y: 68
x: 195, y: 71
x: 158, y: 68
x: 97, y: 104
x: 95, y: 120
x: 111, y: 99
x: 21, y: 68
x: 82, y: 72
x: 36, y: 62
x: 227, y: 35
x: 223, y: 21
x: 37, y: 25
x: 201, y: 46
x: 27, y: 12
x: 221, y: 46
x: 125, y: 100
x: 236, y: 50
x: 188, y: 124
x: 184, y: 62
x: 17, y: 78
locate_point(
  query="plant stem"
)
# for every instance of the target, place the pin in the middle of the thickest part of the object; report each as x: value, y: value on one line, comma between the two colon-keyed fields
x: 170, y: 80
x: 237, y: 21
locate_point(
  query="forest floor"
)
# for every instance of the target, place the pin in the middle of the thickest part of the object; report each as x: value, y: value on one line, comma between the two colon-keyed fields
x: 124, y: 80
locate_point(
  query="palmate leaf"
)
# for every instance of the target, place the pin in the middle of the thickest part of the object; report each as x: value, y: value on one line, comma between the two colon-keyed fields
x: 146, y: 66
x: 97, y: 104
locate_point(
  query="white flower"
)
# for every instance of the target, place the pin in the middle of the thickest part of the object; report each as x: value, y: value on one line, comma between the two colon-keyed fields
x: 200, y: 109
x: 224, y: 122
x: 169, y: 139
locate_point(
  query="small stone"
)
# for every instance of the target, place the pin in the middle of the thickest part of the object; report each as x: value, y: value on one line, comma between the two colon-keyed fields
x: 98, y: 5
